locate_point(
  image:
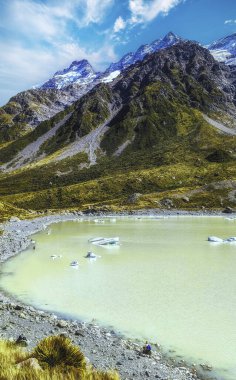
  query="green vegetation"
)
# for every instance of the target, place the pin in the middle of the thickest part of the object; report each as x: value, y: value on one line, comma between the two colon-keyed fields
x: 169, y: 148
x: 54, y: 358
x: 25, y: 109
x: 8, y: 210
x: 7, y: 153
x: 154, y: 184
x: 90, y: 111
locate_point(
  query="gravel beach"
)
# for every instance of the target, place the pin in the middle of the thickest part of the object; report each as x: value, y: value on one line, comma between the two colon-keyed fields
x: 105, y: 349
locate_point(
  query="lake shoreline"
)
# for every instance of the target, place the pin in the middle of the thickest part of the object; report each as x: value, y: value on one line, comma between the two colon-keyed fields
x: 105, y: 348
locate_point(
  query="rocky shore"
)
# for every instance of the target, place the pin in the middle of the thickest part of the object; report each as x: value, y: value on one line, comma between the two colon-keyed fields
x: 105, y: 349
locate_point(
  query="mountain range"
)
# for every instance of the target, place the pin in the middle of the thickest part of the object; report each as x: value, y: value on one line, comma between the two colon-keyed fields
x: 156, y: 129
x: 27, y: 109
x: 81, y: 72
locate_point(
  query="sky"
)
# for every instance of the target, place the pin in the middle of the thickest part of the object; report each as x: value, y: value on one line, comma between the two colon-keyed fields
x: 40, y: 37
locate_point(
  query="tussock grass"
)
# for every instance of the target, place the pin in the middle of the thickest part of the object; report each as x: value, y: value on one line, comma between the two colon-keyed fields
x: 55, y: 358
x: 56, y: 351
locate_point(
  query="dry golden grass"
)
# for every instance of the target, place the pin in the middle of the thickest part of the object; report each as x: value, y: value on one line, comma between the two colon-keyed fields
x: 55, y: 358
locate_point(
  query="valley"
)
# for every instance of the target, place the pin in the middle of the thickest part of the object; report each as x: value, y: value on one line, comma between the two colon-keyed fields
x: 153, y: 138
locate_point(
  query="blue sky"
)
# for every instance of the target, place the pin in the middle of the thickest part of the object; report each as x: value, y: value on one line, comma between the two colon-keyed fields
x: 39, y: 37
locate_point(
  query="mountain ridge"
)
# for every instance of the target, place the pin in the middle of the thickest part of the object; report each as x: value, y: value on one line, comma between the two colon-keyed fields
x: 26, y: 110
x: 180, y: 68
x: 139, y: 133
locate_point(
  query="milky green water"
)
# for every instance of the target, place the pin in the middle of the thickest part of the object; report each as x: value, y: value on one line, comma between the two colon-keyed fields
x: 165, y: 282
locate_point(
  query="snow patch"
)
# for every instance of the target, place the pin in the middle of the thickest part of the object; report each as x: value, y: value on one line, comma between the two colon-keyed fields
x: 220, y: 55
x: 111, y: 76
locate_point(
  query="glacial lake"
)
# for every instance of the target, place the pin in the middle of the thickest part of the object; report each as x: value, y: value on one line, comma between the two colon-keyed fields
x: 165, y: 282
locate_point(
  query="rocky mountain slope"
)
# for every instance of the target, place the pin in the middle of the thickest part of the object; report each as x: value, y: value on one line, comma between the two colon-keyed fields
x: 27, y: 109
x: 164, y: 128
x: 185, y: 75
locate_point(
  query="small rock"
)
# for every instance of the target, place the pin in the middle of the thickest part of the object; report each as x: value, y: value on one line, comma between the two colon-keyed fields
x: 18, y: 307
x: 79, y: 333
x: 23, y: 316
x: 87, y: 360
x: 206, y: 367
x: 62, y: 324
x: 22, y: 341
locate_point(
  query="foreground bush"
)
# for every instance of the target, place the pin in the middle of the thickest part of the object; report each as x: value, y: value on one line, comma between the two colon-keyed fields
x: 55, y: 358
x: 59, y: 351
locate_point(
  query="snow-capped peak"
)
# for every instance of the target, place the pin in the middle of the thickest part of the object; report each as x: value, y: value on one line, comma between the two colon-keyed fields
x: 78, y: 72
x: 81, y: 72
x: 131, y: 58
x: 228, y: 42
x: 224, y: 50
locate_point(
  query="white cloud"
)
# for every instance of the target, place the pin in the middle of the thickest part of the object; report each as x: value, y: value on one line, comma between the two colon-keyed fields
x: 37, y: 20
x: 94, y: 11
x: 230, y: 22
x: 49, y: 20
x: 21, y: 67
x: 39, y: 41
x: 141, y: 12
x: 145, y: 11
x: 119, y: 24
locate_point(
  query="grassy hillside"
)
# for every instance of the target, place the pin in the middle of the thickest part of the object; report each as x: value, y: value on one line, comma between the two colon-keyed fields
x: 188, y: 186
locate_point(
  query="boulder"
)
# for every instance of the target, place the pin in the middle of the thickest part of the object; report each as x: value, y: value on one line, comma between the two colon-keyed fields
x: 18, y: 307
x: 14, y: 219
x: 228, y: 210
x: 133, y: 198
x: 22, y: 341
x: 31, y: 362
x: 166, y: 202
x: 62, y: 324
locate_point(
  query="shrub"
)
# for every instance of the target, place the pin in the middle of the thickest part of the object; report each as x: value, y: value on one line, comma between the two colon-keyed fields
x: 59, y: 351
